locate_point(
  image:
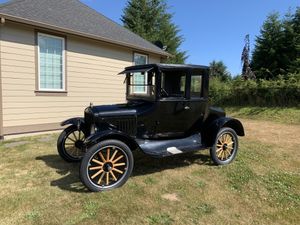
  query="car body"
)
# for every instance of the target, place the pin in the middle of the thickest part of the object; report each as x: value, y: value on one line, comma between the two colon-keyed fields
x: 167, y: 112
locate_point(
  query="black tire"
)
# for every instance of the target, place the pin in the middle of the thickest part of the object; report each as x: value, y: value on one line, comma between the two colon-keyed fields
x: 225, y: 147
x: 102, y: 169
x: 70, y: 144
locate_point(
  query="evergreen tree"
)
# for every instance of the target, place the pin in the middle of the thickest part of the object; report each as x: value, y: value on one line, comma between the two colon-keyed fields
x: 150, y: 20
x: 267, y: 55
x: 219, y: 70
x: 294, y: 66
x: 277, y: 48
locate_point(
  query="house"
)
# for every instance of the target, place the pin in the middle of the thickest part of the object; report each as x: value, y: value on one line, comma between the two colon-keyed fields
x: 57, y: 56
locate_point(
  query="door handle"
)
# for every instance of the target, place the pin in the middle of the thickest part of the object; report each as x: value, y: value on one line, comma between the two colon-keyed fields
x: 187, y: 107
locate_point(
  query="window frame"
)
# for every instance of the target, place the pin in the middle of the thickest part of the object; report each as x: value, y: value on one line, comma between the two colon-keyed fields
x: 63, y: 39
x: 146, y: 74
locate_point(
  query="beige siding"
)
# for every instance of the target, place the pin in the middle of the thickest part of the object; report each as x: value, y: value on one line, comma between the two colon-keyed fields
x: 91, y: 70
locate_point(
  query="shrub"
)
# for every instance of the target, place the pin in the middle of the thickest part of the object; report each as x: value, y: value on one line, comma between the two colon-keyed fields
x: 284, y: 91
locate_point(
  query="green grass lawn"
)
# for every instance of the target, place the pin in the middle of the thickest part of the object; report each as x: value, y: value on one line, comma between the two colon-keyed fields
x: 262, y: 186
x: 277, y: 114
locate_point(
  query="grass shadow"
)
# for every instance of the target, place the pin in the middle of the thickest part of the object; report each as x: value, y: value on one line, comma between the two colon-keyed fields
x: 143, y: 165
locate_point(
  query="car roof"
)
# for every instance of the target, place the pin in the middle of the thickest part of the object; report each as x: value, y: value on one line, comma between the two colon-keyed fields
x: 163, y: 67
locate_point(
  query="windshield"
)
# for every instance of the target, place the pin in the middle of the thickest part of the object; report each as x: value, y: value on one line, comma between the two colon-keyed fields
x: 141, y: 85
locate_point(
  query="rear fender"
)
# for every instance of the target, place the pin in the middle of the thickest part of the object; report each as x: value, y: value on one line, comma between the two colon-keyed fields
x: 110, y: 134
x: 210, y: 132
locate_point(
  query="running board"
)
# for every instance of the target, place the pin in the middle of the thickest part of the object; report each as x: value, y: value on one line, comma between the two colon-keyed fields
x: 163, y: 148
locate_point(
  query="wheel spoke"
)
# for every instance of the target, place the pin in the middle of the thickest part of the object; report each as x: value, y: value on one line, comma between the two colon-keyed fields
x: 117, y: 159
x: 114, y: 155
x: 69, y: 143
x: 74, y: 136
x: 108, y: 154
x: 219, y: 154
x: 119, y: 171
x: 113, y: 175
x: 219, y: 149
x: 97, y: 161
x: 229, y: 153
x: 227, y: 138
x: 96, y: 174
x: 119, y: 164
x: 79, y: 138
x: 95, y: 168
x: 230, y: 143
x: 102, y: 157
x: 71, y: 139
x: 101, y: 177
x: 107, y: 178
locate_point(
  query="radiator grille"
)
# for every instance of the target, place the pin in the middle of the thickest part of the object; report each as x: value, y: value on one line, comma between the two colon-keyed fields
x: 126, y: 125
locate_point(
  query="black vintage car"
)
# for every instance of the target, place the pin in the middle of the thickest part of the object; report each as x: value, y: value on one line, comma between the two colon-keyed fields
x: 167, y: 112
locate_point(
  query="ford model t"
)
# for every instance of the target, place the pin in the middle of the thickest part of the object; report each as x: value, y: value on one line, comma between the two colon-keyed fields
x: 167, y: 112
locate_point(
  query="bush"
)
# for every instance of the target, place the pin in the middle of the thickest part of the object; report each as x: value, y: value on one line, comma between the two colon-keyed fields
x: 284, y: 91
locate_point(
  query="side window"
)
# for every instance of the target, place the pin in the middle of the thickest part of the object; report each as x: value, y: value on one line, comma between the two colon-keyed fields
x: 173, y: 84
x: 140, y: 79
x: 196, y: 86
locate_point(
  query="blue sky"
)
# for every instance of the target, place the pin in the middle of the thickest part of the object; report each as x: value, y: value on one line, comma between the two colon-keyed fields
x: 212, y: 29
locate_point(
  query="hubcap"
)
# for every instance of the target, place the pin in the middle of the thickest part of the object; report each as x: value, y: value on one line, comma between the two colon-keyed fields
x: 108, y: 166
x: 225, y: 146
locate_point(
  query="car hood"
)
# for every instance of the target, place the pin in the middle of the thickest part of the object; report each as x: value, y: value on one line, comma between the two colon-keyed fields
x: 126, y: 109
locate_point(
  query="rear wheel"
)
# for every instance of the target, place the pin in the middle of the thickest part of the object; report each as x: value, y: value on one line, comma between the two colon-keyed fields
x: 106, y: 165
x: 225, y: 147
x: 70, y: 144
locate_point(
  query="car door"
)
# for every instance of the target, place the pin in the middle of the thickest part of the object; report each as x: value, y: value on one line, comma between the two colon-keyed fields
x: 196, y: 104
x: 171, y: 107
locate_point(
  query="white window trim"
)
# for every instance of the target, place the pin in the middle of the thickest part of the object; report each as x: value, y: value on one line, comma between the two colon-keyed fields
x: 146, y: 74
x: 63, y: 62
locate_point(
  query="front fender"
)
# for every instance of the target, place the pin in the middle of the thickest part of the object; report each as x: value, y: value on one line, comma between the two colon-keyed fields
x: 73, y: 121
x: 211, y: 130
x: 110, y: 134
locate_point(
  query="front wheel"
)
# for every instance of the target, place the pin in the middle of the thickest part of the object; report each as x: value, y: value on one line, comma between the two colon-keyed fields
x: 106, y: 165
x: 225, y: 147
x: 70, y: 144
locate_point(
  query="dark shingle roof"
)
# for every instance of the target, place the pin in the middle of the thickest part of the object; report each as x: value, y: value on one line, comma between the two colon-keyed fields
x: 75, y: 17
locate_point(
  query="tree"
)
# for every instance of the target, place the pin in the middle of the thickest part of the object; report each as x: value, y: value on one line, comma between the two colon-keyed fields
x: 245, y: 58
x: 150, y: 20
x: 219, y: 70
x: 267, y: 55
x: 277, y: 48
x: 294, y: 47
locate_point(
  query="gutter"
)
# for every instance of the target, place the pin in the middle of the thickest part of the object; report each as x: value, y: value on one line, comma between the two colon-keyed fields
x: 94, y: 37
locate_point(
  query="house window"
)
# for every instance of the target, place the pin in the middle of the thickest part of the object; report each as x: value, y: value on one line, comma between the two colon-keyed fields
x: 51, y: 62
x: 140, y: 79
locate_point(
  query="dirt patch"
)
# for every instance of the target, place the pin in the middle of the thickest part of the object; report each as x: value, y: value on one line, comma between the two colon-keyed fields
x: 171, y: 197
x: 286, y: 136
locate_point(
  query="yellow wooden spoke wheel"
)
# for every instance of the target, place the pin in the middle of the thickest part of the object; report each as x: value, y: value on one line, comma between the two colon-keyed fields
x: 225, y: 148
x: 106, y: 165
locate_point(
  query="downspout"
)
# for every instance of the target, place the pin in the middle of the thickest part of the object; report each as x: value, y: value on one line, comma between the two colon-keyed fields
x: 2, y: 22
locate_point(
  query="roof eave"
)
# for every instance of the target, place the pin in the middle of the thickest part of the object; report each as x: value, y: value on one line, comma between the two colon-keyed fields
x: 61, y: 29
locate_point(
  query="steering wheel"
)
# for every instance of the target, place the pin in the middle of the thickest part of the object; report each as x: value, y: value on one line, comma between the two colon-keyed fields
x: 163, y: 91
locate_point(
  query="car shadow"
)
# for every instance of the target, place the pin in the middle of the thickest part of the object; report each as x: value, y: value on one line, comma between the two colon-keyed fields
x: 143, y: 165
